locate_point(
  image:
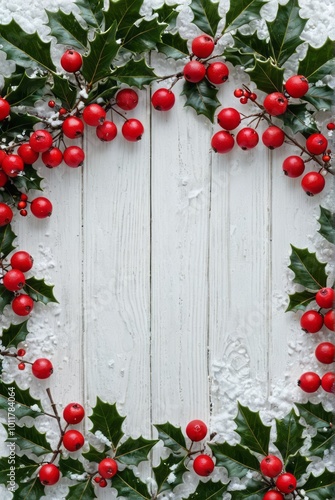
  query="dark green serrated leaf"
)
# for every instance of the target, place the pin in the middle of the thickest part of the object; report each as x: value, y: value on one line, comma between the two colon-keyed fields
x: 105, y: 90
x: 254, y: 491
x: 108, y: 421
x: 39, y: 290
x: 65, y: 91
x: 289, y: 435
x: 27, y: 91
x: 130, y: 486
x: 309, y: 271
x: 11, y: 394
x: 318, y: 62
x: 169, y: 473
x: 208, y: 491
x: 18, y: 125
x: 29, y: 180
x: 315, y: 415
x: 6, y: 298
x: 172, y: 438
x: 33, y: 490
x: 91, y: 11
x: 242, y: 12
x: 67, y: 29
x: 251, y: 44
x: 237, y: 58
x: 82, y: 491
x: 103, y: 49
x: 297, y: 465
x: 206, y: 15
x: 299, y: 119
x: 236, y: 459
x: 320, y: 487
x: 7, y: 236
x: 93, y: 455
x: 167, y: 14
x: 30, y: 440
x: 173, y: 45
x: 300, y: 300
x: 135, y: 73
x: 24, y: 468
x: 26, y: 50
x: 254, y: 434
x: 14, y: 334
x: 327, y: 224
x: 285, y: 31
x: 322, y: 441
x: 143, y: 37
x: 134, y: 451
x: 267, y: 76
x: 202, y: 97
x: 70, y: 467
x: 321, y: 98
x: 126, y: 13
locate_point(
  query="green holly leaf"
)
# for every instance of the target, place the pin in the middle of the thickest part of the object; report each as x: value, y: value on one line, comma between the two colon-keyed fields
x: 6, y: 298
x: 143, y: 36
x: 15, y: 334
x: 82, y: 491
x: 251, y: 44
x: 297, y: 465
x: 67, y: 30
x: 65, y: 91
x: 236, y: 459
x: 300, y: 300
x: 285, y: 31
x: 92, y: 11
x: 327, y: 224
x: 267, y: 76
x: 173, y: 45
x: 39, y: 290
x: 24, y: 468
x: 126, y: 13
x: 135, y: 73
x: 18, y: 125
x: 242, y: 12
x: 106, y: 90
x: 172, y: 438
x: 254, y: 491
x: 309, y: 271
x: 33, y: 490
x: 254, y: 434
x: 299, y: 119
x: 315, y: 415
x: 108, y: 421
x: 289, y: 435
x: 208, y: 491
x: 169, y: 473
x: 103, y: 49
x: 238, y: 58
x: 320, y: 487
x: 206, y: 15
x: 93, y: 455
x: 27, y: 50
x: 134, y: 451
x: 320, y: 97
x: 71, y: 467
x: 318, y: 62
x: 21, y: 399
x: 7, y: 236
x: 202, y: 97
x: 322, y: 441
x: 129, y: 486
x: 30, y: 440
x: 167, y: 14
x: 27, y: 91
x: 29, y: 180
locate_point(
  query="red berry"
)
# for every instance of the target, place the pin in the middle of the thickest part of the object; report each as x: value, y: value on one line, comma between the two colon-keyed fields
x: 3, y: 178
x: 73, y: 413
x: 73, y: 440
x: 311, y: 321
x: 21, y: 352
x: 21, y: 366
x: 326, y: 158
x: 24, y: 213
x: 40, y: 141
x: 23, y: 197
x: 309, y: 382
x: 313, y: 183
x: 253, y: 96
x: 51, y: 104
x: 325, y: 353
x: 293, y: 166
x: 97, y: 479
x: 331, y: 126
x: 247, y: 138
x: 73, y: 127
x: 238, y: 92
x: 12, y: 165
x: 4, y: 108
x: 329, y: 320
x: 316, y: 144
x: 217, y: 72
x: 196, y: 430
x: 243, y: 100
x: 163, y: 99
x: 203, y: 46
x: 296, y: 86
x: 286, y: 482
x: 62, y: 111
x: 275, y: 104
x: 52, y: 158
x: 6, y: 214
x: 28, y: 155
x: 102, y: 483
x: 328, y: 382
x: 273, y: 137
x: 71, y: 61
x: 271, y: 466
x: 325, y: 297
x: 273, y: 495
x: 22, y: 260
x: 194, y: 71
x: 42, y: 368
x: 22, y: 304
x: 41, y: 207
x: 73, y: 156
x: 229, y: 118
x: 222, y: 142
x: 132, y: 130
x: 107, y: 468
x: 203, y: 465
x: 126, y: 99
x: 94, y: 115
x: 49, y: 474
x: 107, y: 131
x: 22, y: 204
x: 14, y: 280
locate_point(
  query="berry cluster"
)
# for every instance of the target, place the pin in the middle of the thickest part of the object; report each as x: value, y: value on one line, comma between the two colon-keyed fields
x: 280, y: 482
x: 203, y: 464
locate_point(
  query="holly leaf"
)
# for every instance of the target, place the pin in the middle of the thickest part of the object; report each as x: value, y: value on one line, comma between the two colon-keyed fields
x: 208, y: 491
x: 251, y: 44
x: 24, y: 469
x: 71, y: 467
x: 135, y: 73
x: 254, y: 491
x: 320, y: 487
x: 103, y: 49
x: 320, y: 97
x: 297, y: 465
x: 32, y: 490
x: 82, y: 491
x: 134, y: 451
x: 126, y: 13
x: 143, y: 36
x: 327, y: 224
x: 7, y: 236
x: 300, y: 300
x: 236, y: 459
x: 285, y: 31
x: 92, y: 11
x: 167, y: 14
x: 202, y: 97
x: 130, y: 486
x: 289, y: 435
x: 18, y: 125
x: 169, y: 473
x: 318, y: 62
x: 67, y: 29
x: 29, y: 180
x: 93, y: 455
x: 26, y: 50
x: 299, y: 119
x: 27, y: 91
x: 322, y: 441
x: 106, y: 90
x: 173, y: 45
x: 315, y: 415
x: 254, y: 434
x: 108, y: 421
x: 242, y: 12
x: 65, y: 91
x: 267, y: 76
x: 309, y: 271
x: 239, y: 58
x: 172, y: 438
x: 206, y: 15
x: 6, y: 298
x: 39, y: 290
x: 14, y: 334
x: 29, y: 440
x: 11, y: 396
